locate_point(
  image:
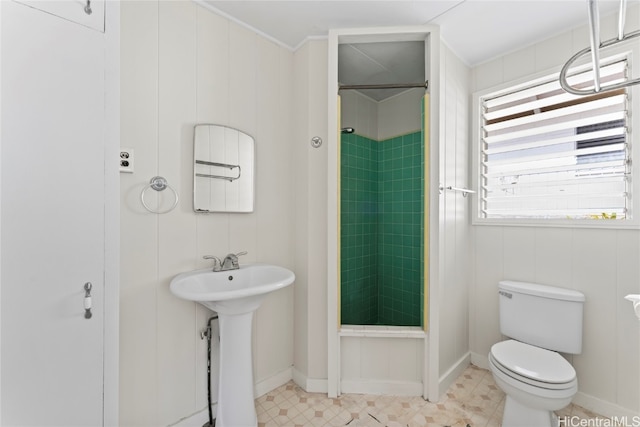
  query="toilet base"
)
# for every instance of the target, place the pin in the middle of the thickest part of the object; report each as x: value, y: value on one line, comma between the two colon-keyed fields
x: 517, y: 415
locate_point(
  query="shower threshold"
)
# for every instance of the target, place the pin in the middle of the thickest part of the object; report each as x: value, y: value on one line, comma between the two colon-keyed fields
x: 382, y: 331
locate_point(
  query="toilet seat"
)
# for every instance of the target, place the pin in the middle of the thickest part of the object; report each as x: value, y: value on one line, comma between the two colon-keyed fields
x: 533, y: 365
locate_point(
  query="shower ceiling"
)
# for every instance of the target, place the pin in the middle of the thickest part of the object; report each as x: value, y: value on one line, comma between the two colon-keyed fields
x: 381, y: 63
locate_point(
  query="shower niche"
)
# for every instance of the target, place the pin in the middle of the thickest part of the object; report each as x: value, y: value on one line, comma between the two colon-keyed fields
x: 382, y: 87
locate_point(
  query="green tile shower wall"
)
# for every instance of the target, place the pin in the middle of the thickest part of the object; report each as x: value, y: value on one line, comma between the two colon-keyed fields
x: 381, y: 218
x: 359, y: 249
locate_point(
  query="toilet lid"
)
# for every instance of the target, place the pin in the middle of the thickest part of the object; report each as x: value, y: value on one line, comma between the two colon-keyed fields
x: 533, y: 362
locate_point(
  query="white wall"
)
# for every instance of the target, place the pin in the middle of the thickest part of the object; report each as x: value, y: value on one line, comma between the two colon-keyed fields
x: 310, y: 168
x: 359, y: 112
x: 599, y: 262
x: 380, y: 120
x: 376, y: 362
x: 182, y: 65
x: 453, y: 294
x: 400, y: 114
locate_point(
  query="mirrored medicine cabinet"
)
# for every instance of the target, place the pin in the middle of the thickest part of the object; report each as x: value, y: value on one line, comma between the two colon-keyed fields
x: 223, y: 169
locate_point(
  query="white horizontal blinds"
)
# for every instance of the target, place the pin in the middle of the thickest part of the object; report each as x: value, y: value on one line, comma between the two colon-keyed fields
x: 550, y: 154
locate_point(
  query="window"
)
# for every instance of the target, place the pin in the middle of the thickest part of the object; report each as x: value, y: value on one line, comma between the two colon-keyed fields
x: 548, y: 154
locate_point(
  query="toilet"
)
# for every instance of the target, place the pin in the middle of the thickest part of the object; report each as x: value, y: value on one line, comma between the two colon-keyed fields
x: 540, y: 321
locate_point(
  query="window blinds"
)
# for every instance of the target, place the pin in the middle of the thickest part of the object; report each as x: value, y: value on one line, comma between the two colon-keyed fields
x: 549, y: 154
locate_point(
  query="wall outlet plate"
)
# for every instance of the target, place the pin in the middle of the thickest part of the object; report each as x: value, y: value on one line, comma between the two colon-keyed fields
x: 126, y: 160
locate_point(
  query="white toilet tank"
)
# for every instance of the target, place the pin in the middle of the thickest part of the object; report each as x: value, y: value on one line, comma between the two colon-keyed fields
x: 540, y: 315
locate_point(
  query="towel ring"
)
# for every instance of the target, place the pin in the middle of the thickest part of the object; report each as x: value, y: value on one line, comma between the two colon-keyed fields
x: 158, y: 183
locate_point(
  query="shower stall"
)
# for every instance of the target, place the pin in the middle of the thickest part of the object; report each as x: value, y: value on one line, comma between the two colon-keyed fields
x: 381, y: 190
x: 381, y: 235
x: 379, y: 320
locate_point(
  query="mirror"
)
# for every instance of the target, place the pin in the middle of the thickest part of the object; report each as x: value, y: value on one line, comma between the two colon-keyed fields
x: 223, y: 169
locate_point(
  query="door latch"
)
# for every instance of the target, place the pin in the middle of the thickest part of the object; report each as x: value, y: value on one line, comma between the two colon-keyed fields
x: 87, y: 300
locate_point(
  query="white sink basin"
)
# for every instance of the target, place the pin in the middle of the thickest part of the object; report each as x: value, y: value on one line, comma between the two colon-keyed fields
x: 231, y: 291
x: 234, y: 295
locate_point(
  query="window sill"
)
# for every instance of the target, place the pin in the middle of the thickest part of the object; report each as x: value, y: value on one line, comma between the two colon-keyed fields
x: 560, y: 223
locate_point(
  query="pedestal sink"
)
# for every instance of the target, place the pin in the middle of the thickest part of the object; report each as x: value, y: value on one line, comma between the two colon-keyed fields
x: 234, y: 295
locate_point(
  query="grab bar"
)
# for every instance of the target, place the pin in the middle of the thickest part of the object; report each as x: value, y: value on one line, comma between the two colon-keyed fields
x: 222, y: 165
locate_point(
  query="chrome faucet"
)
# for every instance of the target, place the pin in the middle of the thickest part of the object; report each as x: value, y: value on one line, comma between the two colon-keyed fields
x: 217, y: 264
x: 231, y: 261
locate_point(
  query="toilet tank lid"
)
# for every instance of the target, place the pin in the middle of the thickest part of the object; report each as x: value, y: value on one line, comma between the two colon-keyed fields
x: 543, y: 291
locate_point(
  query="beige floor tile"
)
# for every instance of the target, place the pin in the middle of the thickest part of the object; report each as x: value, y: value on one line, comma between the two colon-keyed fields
x: 473, y: 399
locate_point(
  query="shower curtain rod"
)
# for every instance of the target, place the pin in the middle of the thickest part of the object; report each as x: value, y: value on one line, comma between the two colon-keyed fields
x: 386, y: 86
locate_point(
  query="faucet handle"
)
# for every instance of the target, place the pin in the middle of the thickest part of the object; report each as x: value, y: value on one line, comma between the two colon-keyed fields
x: 241, y: 253
x: 217, y: 264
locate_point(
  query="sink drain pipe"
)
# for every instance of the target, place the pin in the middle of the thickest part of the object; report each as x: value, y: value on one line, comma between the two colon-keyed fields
x: 207, y: 333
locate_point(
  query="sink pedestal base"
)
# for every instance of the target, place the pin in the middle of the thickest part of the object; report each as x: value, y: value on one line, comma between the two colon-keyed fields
x: 234, y: 295
x: 236, y: 406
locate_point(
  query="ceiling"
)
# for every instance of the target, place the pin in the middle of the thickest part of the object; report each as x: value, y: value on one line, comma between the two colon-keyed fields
x: 475, y: 30
x: 381, y: 63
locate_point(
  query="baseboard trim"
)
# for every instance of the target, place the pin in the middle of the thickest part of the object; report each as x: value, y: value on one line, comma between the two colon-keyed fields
x: 396, y: 388
x: 454, y: 372
x: 310, y: 385
x: 260, y: 388
x: 480, y: 360
x: 274, y: 381
x: 196, y: 420
x: 604, y: 408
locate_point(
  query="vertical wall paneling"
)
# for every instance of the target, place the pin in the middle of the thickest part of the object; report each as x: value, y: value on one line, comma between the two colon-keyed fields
x: 317, y: 191
x: 138, y: 235
x: 273, y: 223
x: 309, y: 166
x: 595, y: 274
x: 212, y: 98
x: 553, y: 256
x: 601, y: 263
x: 182, y: 65
x: 300, y: 133
x: 176, y: 246
x: 627, y: 327
x: 453, y: 342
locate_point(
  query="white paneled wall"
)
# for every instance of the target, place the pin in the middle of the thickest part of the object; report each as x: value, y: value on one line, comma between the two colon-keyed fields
x: 453, y: 343
x: 370, y: 365
x: 601, y: 263
x: 182, y: 65
x: 309, y: 165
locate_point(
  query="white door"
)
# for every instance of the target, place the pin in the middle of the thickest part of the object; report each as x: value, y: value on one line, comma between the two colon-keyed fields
x: 53, y: 216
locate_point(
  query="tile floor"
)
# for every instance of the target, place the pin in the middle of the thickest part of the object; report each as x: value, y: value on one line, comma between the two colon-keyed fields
x: 473, y: 400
